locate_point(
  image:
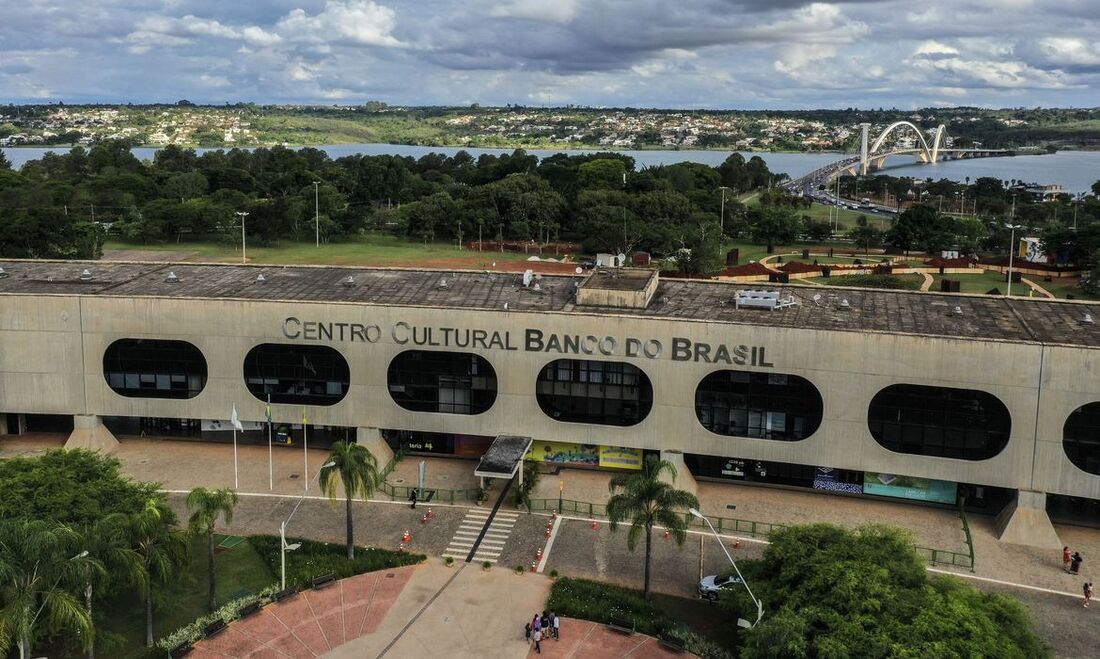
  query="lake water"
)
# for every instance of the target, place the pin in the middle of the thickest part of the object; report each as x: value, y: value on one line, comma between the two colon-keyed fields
x: 1076, y: 170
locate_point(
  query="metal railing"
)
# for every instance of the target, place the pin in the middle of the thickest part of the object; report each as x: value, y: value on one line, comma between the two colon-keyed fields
x: 966, y: 531
x: 748, y: 527
x: 401, y: 492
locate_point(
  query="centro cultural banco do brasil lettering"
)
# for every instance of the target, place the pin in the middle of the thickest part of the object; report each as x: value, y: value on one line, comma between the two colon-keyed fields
x: 533, y: 340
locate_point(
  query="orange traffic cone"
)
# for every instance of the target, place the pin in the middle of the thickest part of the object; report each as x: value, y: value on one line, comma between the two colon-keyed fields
x: 595, y: 525
x: 736, y: 544
x: 538, y: 554
x: 406, y: 538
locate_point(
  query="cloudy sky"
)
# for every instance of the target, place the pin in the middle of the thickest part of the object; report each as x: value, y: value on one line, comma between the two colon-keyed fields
x: 646, y: 53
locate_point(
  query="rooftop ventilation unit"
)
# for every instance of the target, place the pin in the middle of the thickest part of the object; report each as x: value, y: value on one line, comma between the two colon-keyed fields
x: 958, y: 311
x: 2, y: 273
x: 443, y: 283
x: 172, y: 278
x: 86, y: 275
x: 537, y: 288
x: 349, y: 281
x: 1086, y: 319
x: 260, y: 278
x: 763, y: 299
x: 528, y: 277
x: 844, y: 305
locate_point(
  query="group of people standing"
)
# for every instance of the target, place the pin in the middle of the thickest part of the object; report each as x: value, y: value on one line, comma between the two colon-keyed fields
x: 1072, y: 563
x: 548, y: 625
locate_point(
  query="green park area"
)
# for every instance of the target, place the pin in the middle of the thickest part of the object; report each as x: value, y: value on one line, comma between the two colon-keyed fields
x: 895, y: 282
x: 87, y: 552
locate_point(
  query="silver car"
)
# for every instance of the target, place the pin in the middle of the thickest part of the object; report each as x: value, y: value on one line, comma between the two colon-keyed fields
x: 709, y: 587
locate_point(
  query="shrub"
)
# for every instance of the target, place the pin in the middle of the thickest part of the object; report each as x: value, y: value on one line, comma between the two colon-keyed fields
x: 487, y: 564
x: 229, y: 612
x: 313, y: 559
x: 601, y: 602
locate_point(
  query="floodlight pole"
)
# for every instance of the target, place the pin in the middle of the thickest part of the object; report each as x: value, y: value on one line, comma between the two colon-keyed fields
x: 758, y: 603
x: 283, y: 546
x: 242, y: 215
x: 317, y: 212
x: 722, y: 222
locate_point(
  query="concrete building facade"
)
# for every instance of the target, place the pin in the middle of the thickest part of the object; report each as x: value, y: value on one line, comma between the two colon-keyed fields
x: 1039, y: 359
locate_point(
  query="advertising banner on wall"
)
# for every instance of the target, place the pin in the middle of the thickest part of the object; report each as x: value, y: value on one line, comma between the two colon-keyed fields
x: 825, y: 478
x: 617, y: 457
x: 909, y: 487
x: 588, y: 455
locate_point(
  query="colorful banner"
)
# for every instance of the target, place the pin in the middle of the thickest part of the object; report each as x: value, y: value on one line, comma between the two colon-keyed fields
x: 618, y: 457
x: 588, y: 455
x: 909, y: 487
x: 564, y: 453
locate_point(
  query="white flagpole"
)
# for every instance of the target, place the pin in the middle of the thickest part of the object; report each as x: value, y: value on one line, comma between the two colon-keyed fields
x: 236, y: 484
x: 270, y: 463
x: 305, y: 451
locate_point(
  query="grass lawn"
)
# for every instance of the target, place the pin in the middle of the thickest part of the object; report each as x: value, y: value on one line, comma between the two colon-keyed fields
x: 1061, y: 287
x: 908, y: 282
x: 981, y: 283
x: 240, y: 571
x: 371, y: 249
x: 825, y: 213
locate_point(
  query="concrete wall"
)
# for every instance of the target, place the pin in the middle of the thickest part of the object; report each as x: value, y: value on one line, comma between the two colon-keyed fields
x: 42, y: 371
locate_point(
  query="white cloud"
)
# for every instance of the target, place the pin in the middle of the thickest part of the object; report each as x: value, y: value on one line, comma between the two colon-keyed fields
x: 357, y: 21
x: 935, y: 48
x: 1070, y: 51
x: 550, y: 11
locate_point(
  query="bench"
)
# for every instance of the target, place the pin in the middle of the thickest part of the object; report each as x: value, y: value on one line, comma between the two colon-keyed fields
x: 324, y: 580
x: 249, y: 609
x: 285, y: 594
x: 181, y: 651
x: 214, y: 628
x: 672, y: 643
x: 622, y: 626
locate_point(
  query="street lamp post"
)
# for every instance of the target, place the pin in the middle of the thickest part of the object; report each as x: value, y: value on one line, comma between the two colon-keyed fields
x: 741, y: 622
x: 242, y: 215
x: 317, y: 213
x: 722, y: 221
x: 1011, y: 252
x: 283, y: 546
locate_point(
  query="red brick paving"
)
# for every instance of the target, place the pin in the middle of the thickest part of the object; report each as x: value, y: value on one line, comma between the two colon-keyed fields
x: 581, y: 639
x: 312, y: 623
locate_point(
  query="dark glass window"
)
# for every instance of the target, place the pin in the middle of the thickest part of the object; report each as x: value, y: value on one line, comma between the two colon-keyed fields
x: 448, y: 382
x: 302, y: 374
x: 1081, y: 438
x: 963, y: 424
x: 758, y: 405
x: 154, y: 368
x: 584, y: 391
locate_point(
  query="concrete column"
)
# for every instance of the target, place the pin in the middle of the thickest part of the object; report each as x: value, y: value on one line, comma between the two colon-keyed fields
x: 1024, y: 521
x: 684, y: 478
x: 372, y: 439
x: 3, y: 424
x: 90, y: 433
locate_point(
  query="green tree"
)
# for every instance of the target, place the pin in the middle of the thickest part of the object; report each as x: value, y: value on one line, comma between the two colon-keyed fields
x: 206, y: 506
x: 702, y: 249
x: 865, y: 236
x: 162, y: 548
x: 5, y: 164
x: 116, y: 562
x: 601, y: 173
x: 644, y: 499
x: 39, y: 562
x: 356, y: 469
x: 773, y: 225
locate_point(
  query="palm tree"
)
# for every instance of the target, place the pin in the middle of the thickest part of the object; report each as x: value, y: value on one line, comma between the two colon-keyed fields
x: 205, y: 506
x: 354, y: 467
x: 163, y: 550
x: 37, y: 557
x: 106, y: 541
x: 644, y: 499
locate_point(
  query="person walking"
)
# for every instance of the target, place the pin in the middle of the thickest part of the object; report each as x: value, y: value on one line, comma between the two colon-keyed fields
x: 1075, y: 563
x: 412, y: 498
x: 1088, y: 593
x: 527, y: 632
x: 538, y: 637
x: 1066, y: 555
x: 536, y: 623
x: 557, y: 625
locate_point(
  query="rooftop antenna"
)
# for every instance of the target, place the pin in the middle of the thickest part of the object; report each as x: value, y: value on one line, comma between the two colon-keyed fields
x: 349, y: 281
x: 578, y: 270
x: 817, y: 299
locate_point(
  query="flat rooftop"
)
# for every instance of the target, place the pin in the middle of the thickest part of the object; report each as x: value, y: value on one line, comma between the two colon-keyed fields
x: 619, y: 279
x: 926, y: 314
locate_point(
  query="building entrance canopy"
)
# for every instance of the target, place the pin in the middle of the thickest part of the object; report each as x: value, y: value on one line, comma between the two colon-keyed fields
x: 504, y: 457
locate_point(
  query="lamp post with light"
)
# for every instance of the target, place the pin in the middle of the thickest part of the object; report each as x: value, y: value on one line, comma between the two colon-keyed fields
x: 283, y: 546
x: 741, y: 622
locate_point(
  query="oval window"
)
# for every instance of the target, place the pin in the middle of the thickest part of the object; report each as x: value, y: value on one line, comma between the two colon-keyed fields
x: 1081, y: 438
x: 963, y: 424
x: 154, y: 368
x: 297, y: 374
x: 445, y: 382
x: 774, y: 406
x: 587, y: 391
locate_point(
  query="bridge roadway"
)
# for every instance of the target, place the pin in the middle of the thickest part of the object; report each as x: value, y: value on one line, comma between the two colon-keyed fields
x: 808, y: 184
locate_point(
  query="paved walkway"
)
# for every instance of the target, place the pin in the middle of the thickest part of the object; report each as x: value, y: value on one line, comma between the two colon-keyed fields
x: 312, y: 623
x: 1037, y: 288
x: 581, y: 639
x: 927, y: 283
